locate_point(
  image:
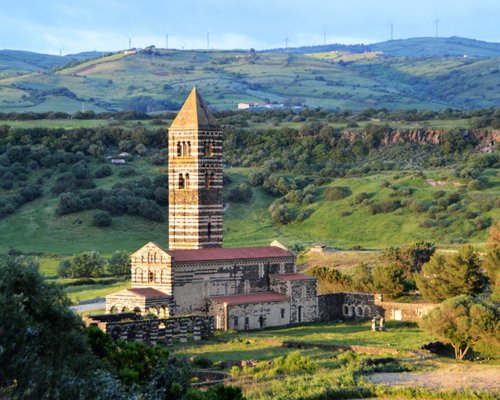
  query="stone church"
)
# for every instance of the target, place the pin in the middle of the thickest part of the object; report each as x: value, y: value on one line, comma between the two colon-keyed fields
x: 243, y: 288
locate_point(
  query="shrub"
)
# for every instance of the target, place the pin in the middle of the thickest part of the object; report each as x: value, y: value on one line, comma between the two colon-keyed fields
x: 103, y: 172
x: 240, y: 194
x: 102, y: 219
x: 337, y: 193
x: 384, y: 206
x: 389, y: 279
x: 360, y: 197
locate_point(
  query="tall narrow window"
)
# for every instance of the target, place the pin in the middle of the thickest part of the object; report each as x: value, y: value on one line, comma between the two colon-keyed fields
x: 151, y: 277
x: 211, y: 179
x: 186, y: 181
x: 184, y: 149
x: 179, y: 149
x: 205, y: 181
x: 209, y: 230
x: 181, y: 182
x: 188, y: 148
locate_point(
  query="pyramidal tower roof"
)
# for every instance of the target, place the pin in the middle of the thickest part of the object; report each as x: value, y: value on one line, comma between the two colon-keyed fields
x: 194, y: 114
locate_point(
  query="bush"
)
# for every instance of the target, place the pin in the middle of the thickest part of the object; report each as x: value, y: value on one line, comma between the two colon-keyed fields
x: 360, y: 197
x: 337, y: 193
x: 281, y: 214
x: 240, y: 194
x: 384, y: 206
x: 389, y: 279
x: 103, y: 172
x: 102, y: 219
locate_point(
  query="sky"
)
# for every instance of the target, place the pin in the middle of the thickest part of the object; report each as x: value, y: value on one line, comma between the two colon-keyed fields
x: 72, y: 26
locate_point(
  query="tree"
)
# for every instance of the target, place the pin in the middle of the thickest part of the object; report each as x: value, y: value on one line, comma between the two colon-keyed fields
x: 102, y: 219
x: 410, y: 256
x: 44, y: 353
x: 88, y: 264
x: 64, y: 268
x: 362, y: 278
x: 389, y: 279
x: 464, y: 321
x: 446, y: 276
x: 119, y: 263
x: 491, y: 263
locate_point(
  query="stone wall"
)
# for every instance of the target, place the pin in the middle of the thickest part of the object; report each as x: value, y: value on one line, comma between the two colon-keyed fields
x: 342, y: 306
x: 303, y: 295
x: 258, y: 315
x: 195, y: 282
x: 152, y: 330
x: 404, y: 311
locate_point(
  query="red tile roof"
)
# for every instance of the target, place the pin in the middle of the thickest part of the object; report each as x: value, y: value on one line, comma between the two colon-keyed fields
x: 238, y: 253
x: 259, y: 297
x: 293, y: 277
x: 148, y: 293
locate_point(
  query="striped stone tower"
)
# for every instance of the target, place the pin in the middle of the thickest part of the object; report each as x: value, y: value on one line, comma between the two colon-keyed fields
x: 195, y: 177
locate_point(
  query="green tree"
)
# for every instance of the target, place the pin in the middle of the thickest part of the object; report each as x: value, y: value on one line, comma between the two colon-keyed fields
x: 389, y: 279
x: 464, y: 321
x: 88, y: 264
x: 410, y: 256
x: 64, y: 269
x: 446, y: 276
x: 119, y: 263
x: 362, y: 278
x: 43, y: 348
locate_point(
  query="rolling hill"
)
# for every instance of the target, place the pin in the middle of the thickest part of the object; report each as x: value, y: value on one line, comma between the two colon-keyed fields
x: 421, y: 73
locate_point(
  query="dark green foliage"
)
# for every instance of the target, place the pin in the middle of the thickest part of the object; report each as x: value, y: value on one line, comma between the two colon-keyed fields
x: 445, y: 276
x: 410, y: 257
x: 281, y: 214
x: 88, y: 264
x: 464, y: 321
x: 362, y: 278
x: 240, y: 194
x: 102, y: 219
x: 337, y: 193
x: 389, y: 279
x: 337, y: 280
x: 103, y: 172
x: 383, y: 206
x: 44, y: 350
x: 119, y: 263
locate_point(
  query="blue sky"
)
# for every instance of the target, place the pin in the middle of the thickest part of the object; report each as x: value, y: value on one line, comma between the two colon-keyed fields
x: 70, y: 26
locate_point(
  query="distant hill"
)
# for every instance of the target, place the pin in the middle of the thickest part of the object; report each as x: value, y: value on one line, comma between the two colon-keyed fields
x: 420, y: 73
x: 413, y: 47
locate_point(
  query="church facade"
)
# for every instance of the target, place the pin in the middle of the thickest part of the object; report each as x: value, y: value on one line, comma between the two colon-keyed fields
x: 243, y: 288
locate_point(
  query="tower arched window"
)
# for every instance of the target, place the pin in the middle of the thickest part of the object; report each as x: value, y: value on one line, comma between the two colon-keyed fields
x: 211, y: 148
x: 182, y: 182
x: 186, y: 181
x: 184, y: 149
x: 151, y: 277
x: 179, y: 149
x: 188, y: 149
x: 211, y: 179
x: 209, y: 230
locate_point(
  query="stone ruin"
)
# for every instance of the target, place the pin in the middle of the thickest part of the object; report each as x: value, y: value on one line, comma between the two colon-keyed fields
x: 151, y: 329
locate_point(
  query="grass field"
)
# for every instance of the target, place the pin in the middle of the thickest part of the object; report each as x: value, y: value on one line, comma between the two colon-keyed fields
x: 267, y: 343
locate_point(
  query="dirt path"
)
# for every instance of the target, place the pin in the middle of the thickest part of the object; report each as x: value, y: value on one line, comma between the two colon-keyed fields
x: 477, y: 377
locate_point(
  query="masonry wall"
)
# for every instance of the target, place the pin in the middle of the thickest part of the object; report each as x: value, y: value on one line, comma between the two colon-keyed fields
x: 404, y: 311
x: 258, y: 315
x: 303, y: 297
x: 195, y: 282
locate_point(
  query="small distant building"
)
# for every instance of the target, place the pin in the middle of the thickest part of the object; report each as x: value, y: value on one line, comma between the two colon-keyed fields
x: 118, y: 161
x: 258, y: 106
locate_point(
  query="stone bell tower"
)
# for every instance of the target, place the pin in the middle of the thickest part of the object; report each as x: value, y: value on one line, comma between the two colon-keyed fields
x: 195, y: 177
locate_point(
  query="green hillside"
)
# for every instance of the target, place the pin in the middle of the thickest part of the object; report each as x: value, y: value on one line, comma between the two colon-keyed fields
x: 155, y: 79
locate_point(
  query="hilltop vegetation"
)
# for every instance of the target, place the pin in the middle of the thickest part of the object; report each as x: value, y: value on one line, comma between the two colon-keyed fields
x: 420, y: 73
x: 305, y: 179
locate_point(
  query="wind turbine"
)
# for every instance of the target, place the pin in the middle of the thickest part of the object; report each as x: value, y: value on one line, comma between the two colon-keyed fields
x: 208, y: 39
x: 286, y: 42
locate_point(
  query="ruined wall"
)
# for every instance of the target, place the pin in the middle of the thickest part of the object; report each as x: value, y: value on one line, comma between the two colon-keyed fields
x: 195, y: 282
x: 341, y: 306
x: 404, y: 311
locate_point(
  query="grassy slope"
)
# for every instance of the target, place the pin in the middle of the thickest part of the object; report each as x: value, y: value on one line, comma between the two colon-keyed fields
x: 35, y: 228
x: 226, y: 78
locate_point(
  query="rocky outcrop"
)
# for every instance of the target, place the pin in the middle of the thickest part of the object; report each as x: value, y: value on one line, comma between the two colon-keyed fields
x: 487, y: 139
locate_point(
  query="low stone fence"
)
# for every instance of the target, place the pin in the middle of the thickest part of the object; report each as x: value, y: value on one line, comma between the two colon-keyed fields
x: 153, y: 330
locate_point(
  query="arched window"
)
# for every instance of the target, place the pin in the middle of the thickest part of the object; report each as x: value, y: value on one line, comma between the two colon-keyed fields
x: 346, y: 310
x: 181, y: 182
x: 188, y: 148
x: 186, y: 184
x: 211, y: 179
x: 211, y: 148
x: 360, y: 312
x: 209, y: 230
x: 179, y: 149
x: 184, y: 149
x: 151, y: 277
